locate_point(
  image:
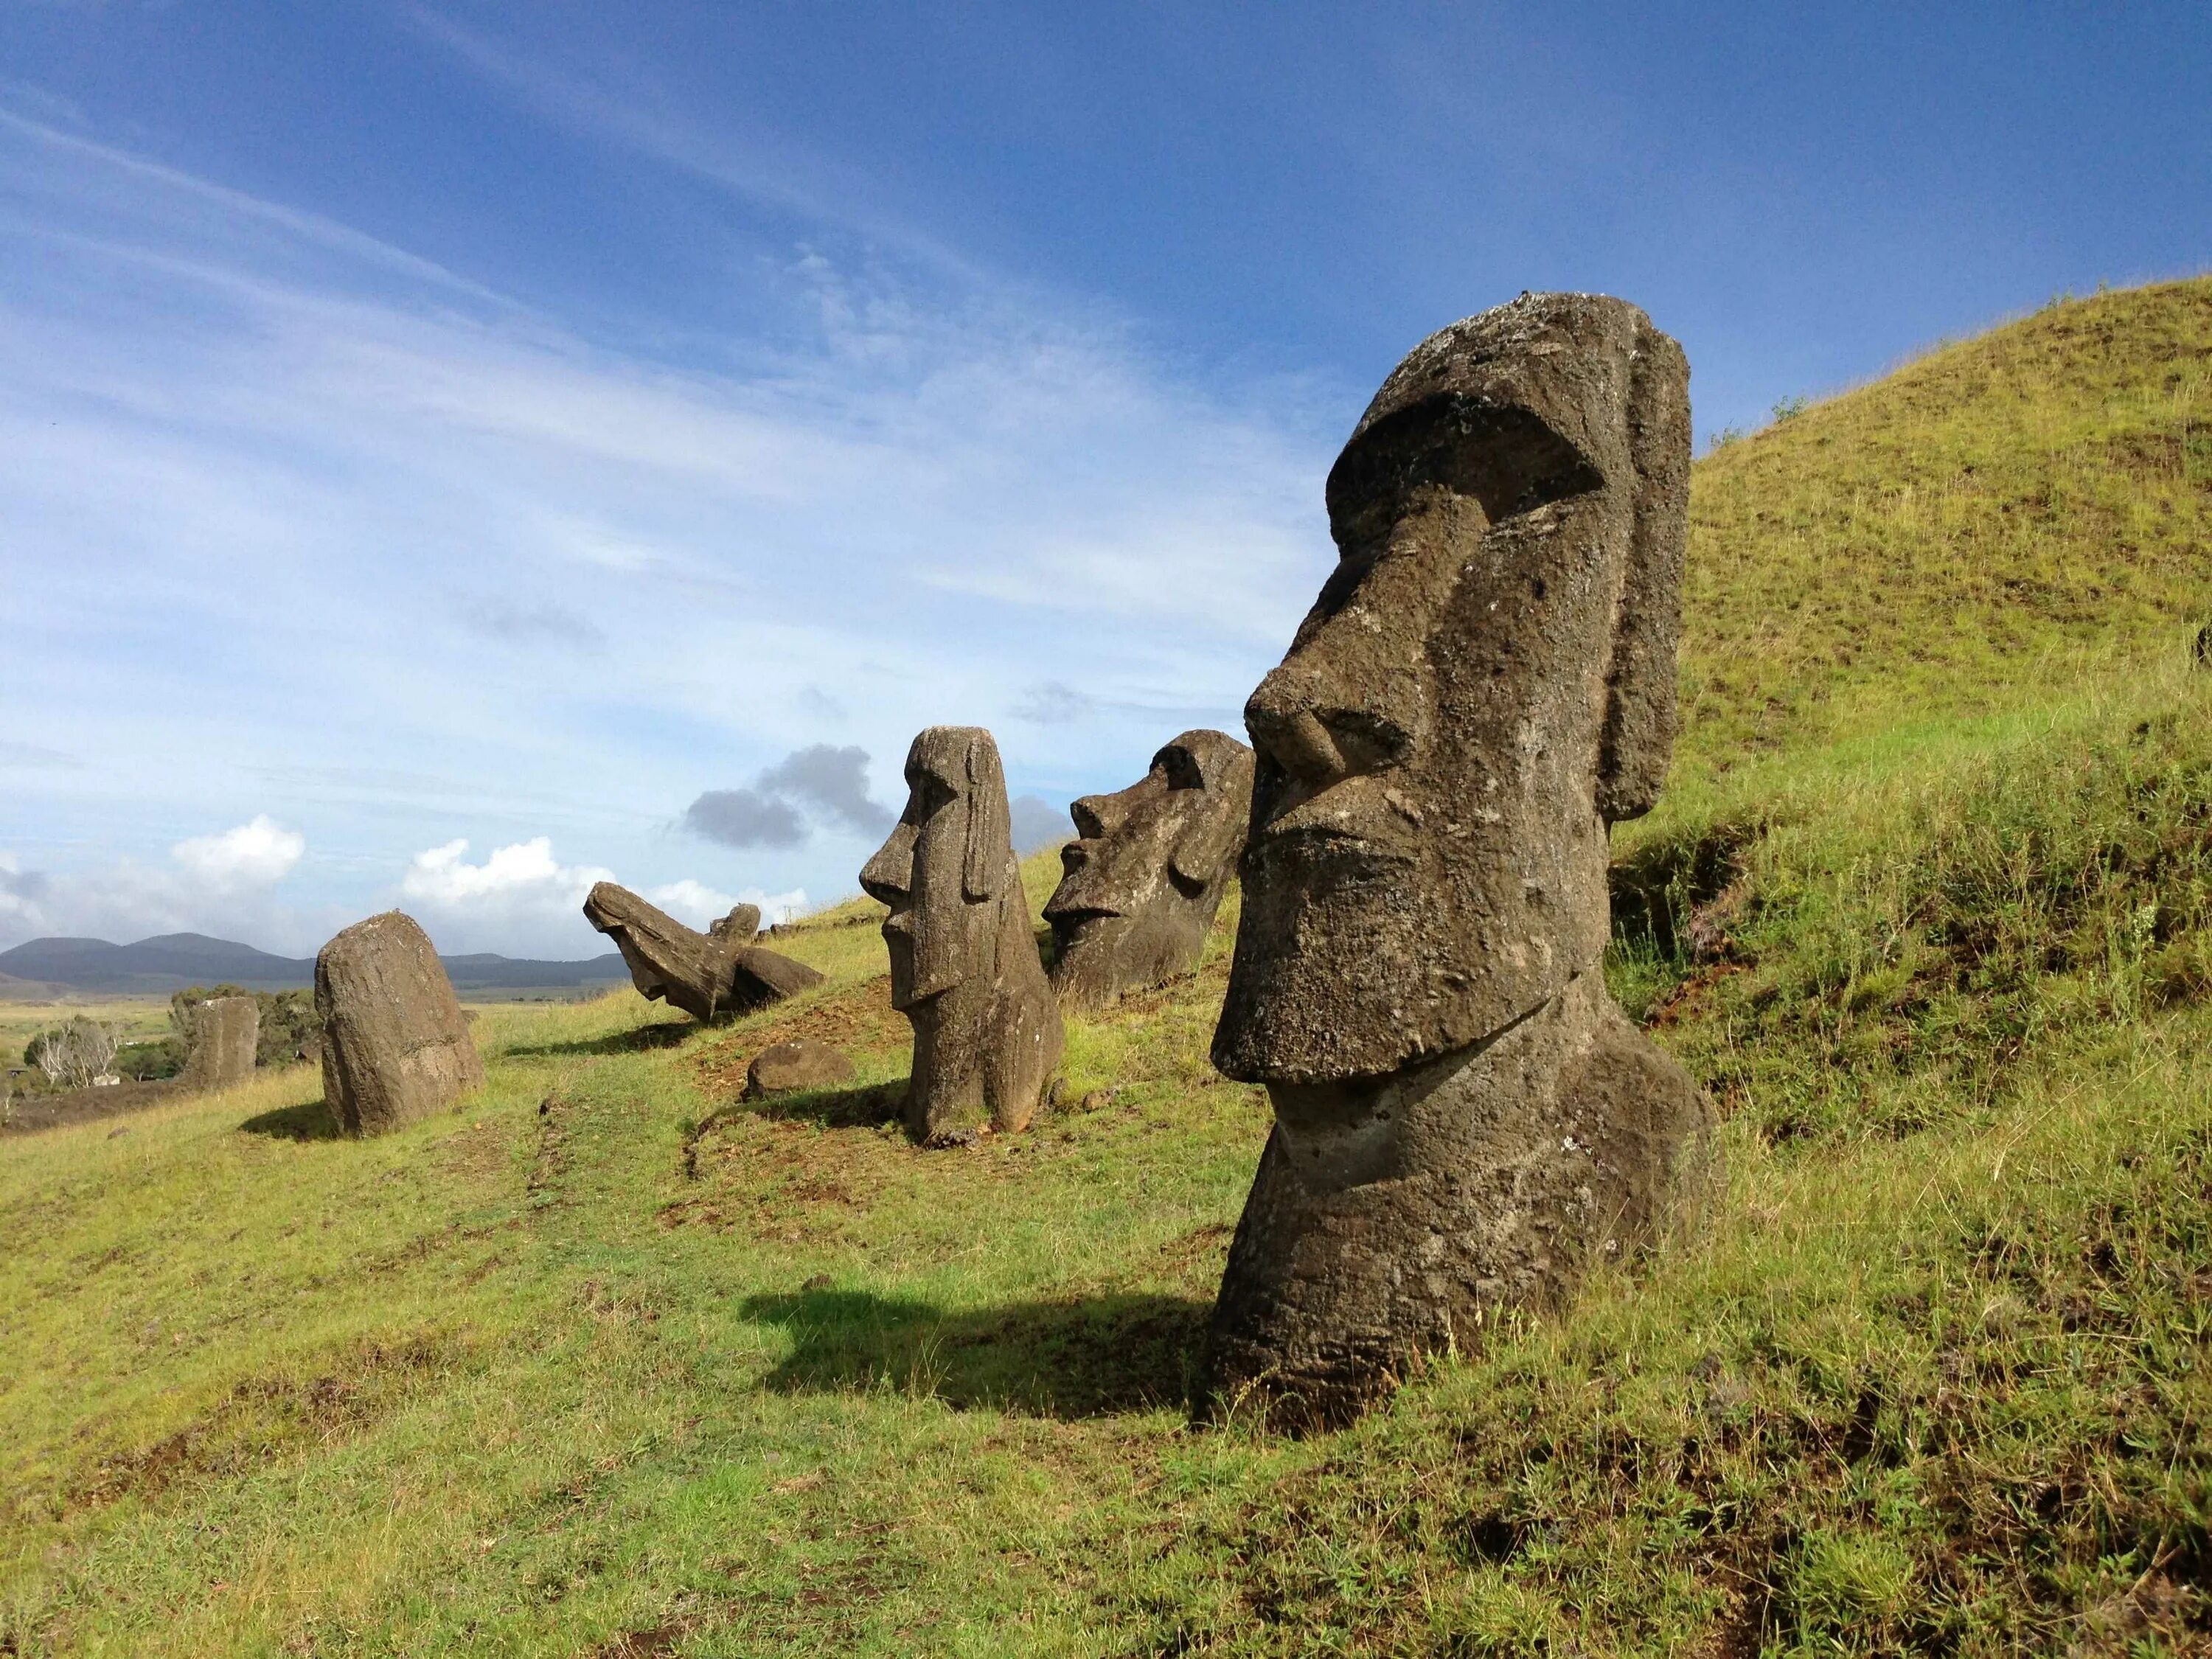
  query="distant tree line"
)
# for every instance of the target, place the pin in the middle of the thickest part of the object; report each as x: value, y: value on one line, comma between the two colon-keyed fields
x: 72, y: 1054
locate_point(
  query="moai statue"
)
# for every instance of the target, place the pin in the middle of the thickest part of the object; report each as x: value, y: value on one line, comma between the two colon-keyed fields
x: 964, y: 967
x: 221, y: 1035
x: 395, y: 1045
x: 1464, y: 1119
x: 709, y: 976
x: 1145, y: 879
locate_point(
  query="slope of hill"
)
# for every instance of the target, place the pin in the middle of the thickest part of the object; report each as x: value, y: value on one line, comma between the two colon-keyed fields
x: 171, y: 962
x: 612, y: 1362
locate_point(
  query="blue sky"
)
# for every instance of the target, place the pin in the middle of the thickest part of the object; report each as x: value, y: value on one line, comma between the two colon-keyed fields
x: 602, y: 436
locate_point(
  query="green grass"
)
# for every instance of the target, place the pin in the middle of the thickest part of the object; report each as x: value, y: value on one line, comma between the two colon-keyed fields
x: 611, y: 1362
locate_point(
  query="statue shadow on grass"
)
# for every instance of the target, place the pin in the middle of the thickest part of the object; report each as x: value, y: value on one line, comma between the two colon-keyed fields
x: 1094, y: 1356
x: 662, y: 1034
x: 310, y: 1121
x: 861, y: 1106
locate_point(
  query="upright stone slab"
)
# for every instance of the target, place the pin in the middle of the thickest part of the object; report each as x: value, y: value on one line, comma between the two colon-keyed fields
x: 964, y: 965
x: 1146, y: 873
x: 224, y: 1033
x: 395, y: 1045
x: 709, y: 976
x: 1463, y: 1119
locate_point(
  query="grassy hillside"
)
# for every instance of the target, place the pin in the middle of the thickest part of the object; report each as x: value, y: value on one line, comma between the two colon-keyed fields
x: 612, y: 1363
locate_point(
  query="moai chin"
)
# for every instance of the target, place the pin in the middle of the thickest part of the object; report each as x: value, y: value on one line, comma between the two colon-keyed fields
x: 1463, y: 1118
x: 709, y: 975
x: 1148, y: 872
x: 964, y: 967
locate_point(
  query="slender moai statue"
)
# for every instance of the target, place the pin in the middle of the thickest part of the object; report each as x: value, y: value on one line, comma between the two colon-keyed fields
x: 1464, y: 1119
x: 709, y: 976
x: 395, y: 1045
x: 223, y: 1033
x: 964, y: 966
x: 1146, y: 874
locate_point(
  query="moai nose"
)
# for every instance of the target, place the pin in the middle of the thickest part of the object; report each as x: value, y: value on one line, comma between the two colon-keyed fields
x: 1095, y: 815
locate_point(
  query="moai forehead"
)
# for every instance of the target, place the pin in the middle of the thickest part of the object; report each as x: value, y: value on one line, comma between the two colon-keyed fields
x: 1485, y: 683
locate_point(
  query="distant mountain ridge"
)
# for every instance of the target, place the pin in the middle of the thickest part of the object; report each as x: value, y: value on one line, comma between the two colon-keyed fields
x: 170, y: 962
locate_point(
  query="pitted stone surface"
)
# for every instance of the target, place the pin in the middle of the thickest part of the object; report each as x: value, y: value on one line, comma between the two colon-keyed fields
x: 225, y: 1033
x: 1148, y: 869
x: 801, y: 1063
x: 395, y: 1045
x: 1485, y: 685
x: 964, y: 965
x: 709, y: 976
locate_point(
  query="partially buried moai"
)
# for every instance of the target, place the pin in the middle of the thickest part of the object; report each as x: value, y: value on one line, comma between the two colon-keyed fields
x: 709, y: 975
x: 395, y: 1045
x: 1464, y: 1119
x: 222, y: 1034
x: 964, y: 965
x: 1148, y: 870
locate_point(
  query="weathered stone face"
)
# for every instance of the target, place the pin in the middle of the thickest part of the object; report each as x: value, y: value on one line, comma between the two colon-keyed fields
x: 1485, y: 682
x: 709, y: 976
x: 964, y: 967
x: 225, y: 1032
x: 1148, y: 872
x: 395, y: 1045
x: 1463, y: 1119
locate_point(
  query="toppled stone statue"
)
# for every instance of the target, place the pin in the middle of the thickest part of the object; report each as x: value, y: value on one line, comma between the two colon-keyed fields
x: 223, y: 1034
x: 964, y: 966
x: 784, y: 1068
x: 1463, y: 1118
x: 709, y: 976
x: 1146, y: 875
x: 395, y: 1047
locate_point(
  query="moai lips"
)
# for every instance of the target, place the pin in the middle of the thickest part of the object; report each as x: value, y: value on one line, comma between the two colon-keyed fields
x: 1147, y: 872
x: 709, y: 976
x: 964, y: 967
x: 1486, y: 683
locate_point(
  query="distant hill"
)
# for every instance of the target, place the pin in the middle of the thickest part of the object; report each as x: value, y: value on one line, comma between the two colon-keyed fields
x: 170, y: 962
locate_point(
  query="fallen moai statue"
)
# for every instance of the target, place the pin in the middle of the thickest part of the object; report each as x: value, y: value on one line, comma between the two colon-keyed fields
x: 222, y: 1036
x: 1463, y: 1118
x: 1146, y: 873
x: 709, y: 975
x: 964, y: 965
x: 395, y: 1045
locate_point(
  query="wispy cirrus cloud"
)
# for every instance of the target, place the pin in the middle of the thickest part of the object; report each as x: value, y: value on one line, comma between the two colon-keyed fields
x: 368, y: 511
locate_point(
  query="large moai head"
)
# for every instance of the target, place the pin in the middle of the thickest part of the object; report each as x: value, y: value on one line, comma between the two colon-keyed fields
x: 964, y: 966
x: 1146, y: 875
x: 395, y: 1045
x: 1486, y: 683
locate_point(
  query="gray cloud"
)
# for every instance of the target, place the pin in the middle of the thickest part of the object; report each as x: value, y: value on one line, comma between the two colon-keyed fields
x: 1052, y: 703
x: 1038, y: 823
x: 833, y: 780
x: 745, y: 818
x: 28, y: 885
x: 512, y: 621
x: 28, y: 755
x: 829, y: 781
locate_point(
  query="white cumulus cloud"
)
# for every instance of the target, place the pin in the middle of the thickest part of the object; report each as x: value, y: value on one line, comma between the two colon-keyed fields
x: 260, y: 854
x: 526, y: 872
x: 696, y: 905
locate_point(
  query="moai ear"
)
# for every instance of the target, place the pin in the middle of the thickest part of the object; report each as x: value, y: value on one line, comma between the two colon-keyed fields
x: 990, y: 826
x: 1639, y: 719
x: 1217, y: 834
